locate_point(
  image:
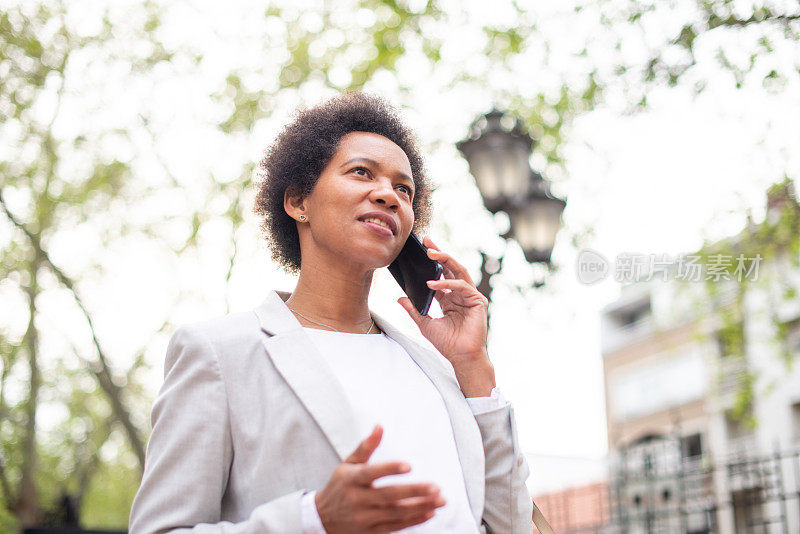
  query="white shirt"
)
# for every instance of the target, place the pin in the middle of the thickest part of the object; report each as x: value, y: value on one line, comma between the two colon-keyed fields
x: 385, y: 386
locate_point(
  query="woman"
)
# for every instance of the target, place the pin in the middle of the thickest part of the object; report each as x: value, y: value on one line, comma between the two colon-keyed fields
x: 311, y: 414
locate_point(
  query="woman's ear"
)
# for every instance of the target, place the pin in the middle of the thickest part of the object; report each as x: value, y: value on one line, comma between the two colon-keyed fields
x: 294, y: 202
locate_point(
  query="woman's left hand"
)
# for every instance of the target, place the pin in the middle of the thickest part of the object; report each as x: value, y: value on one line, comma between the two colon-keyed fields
x: 460, y: 334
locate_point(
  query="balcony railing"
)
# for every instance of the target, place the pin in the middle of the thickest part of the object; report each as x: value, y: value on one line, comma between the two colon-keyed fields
x: 616, y: 338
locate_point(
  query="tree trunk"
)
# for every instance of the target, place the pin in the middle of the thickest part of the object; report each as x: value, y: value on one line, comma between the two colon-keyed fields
x: 27, y: 507
x: 102, y: 373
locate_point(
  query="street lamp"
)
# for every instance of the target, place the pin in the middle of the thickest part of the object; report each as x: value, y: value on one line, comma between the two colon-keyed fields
x: 535, y: 220
x: 497, y: 150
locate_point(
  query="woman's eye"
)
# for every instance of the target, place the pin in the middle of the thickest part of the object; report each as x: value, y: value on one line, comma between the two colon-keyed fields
x: 362, y: 169
x: 406, y: 189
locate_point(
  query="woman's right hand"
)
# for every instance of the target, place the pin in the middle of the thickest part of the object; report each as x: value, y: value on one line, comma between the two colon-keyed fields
x: 349, y: 503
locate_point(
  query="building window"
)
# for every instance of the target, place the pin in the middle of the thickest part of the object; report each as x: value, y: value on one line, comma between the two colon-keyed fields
x: 796, y: 421
x: 691, y: 446
x: 634, y: 315
x: 748, y: 509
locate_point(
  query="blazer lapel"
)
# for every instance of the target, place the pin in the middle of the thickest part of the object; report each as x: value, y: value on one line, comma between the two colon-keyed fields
x: 465, y: 429
x: 308, y: 374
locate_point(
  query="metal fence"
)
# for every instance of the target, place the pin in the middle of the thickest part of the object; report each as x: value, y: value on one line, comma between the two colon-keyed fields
x: 741, y: 495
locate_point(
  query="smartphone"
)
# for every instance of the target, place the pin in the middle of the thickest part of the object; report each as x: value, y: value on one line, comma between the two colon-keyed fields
x: 412, y: 269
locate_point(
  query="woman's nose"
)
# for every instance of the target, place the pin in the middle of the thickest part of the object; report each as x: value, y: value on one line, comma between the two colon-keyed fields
x: 384, y: 193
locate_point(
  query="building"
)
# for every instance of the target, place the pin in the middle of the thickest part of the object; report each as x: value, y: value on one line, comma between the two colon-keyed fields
x: 703, y: 407
x: 701, y: 358
x: 577, y: 509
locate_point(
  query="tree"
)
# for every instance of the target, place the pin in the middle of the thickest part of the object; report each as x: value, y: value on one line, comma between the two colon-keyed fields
x: 56, y: 177
x: 695, y: 42
x: 709, y: 45
x: 771, y: 250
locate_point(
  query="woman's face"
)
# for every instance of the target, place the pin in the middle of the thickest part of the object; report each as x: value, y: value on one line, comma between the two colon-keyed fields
x: 360, y: 208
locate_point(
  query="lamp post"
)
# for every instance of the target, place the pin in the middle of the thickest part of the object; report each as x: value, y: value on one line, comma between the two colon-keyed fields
x: 497, y: 150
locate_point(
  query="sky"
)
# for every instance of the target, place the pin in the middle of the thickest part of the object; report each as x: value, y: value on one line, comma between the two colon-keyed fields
x: 658, y: 181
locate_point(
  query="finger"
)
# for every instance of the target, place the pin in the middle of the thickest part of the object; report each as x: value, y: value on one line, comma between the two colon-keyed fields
x: 407, y: 305
x: 464, y: 288
x: 415, y: 505
x: 450, y: 264
x: 369, y: 472
x: 428, y: 242
x: 388, y: 495
x: 419, y: 505
x: 447, y: 272
x: 405, y: 510
x: 439, y: 295
x: 366, y: 447
x: 394, y: 526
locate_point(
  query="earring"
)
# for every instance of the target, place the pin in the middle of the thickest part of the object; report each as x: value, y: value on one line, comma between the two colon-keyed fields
x: 303, y: 218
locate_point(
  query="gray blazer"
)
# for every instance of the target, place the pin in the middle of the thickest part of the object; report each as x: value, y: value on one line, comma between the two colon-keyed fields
x: 250, y: 416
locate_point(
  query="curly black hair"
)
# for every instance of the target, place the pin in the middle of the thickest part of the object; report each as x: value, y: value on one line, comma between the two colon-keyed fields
x: 307, y: 144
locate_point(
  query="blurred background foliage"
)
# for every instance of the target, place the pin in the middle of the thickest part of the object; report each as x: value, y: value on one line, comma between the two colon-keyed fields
x: 73, y: 405
x: 748, y: 41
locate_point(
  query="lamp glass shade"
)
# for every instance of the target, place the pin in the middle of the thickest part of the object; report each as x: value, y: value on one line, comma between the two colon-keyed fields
x: 500, y: 167
x: 535, y: 223
x: 498, y: 159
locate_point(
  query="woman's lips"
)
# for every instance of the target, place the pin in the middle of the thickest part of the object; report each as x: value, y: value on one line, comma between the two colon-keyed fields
x: 378, y: 229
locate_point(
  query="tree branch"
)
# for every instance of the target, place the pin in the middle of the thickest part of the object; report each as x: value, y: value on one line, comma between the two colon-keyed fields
x: 4, y: 413
x: 157, y: 154
x: 102, y: 372
x: 715, y: 21
x: 10, y: 498
x: 86, y: 467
